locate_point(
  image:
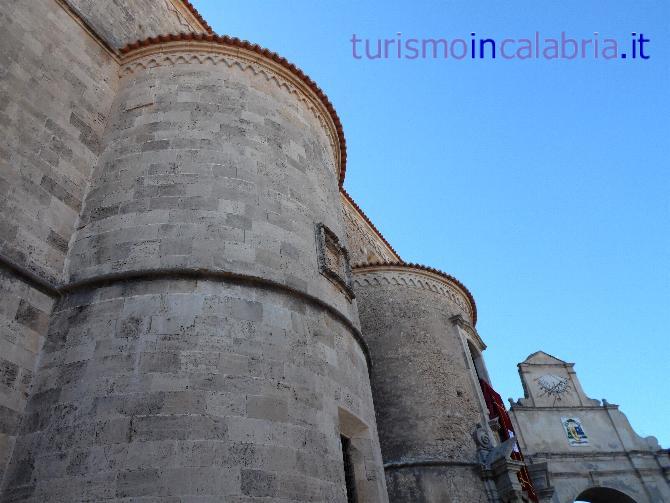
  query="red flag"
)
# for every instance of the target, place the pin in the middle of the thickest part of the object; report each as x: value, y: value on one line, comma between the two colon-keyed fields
x: 498, y: 411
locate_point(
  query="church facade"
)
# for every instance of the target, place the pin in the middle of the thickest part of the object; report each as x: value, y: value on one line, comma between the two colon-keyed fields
x: 192, y: 307
x: 591, y: 451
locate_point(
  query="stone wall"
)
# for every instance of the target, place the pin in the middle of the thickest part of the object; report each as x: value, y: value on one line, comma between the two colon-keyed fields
x: 56, y: 87
x: 24, y: 316
x: 212, y: 165
x: 364, y: 242
x: 425, y: 396
x: 120, y: 22
x: 199, y: 350
x: 185, y: 388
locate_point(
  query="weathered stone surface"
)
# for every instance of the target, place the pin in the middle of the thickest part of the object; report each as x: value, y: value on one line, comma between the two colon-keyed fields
x: 364, y: 242
x: 195, y: 384
x: 195, y: 174
x: 426, y: 397
x: 201, y: 355
x: 24, y: 315
x: 199, y: 341
x: 122, y: 22
x: 56, y: 87
x: 44, y: 168
x: 422, y: 484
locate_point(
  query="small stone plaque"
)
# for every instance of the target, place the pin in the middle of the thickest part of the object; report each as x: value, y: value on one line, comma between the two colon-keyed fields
x: 333, y: 259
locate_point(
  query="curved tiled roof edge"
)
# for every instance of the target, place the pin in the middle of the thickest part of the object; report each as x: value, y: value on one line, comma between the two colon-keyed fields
x: 369, y: 222
x: 244, y: 44
x: 410, y: 265
x: 197, y: 15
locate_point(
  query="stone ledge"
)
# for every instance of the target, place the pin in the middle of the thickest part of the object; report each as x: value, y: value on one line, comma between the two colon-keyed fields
x: 433, y: 280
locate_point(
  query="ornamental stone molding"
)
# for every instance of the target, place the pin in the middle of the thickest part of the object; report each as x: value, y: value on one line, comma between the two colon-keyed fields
x: 471, y: 331
x: 410, y: 276
x: 231, y: 53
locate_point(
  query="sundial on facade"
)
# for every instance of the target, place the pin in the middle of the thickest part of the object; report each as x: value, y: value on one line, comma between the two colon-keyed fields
x: 553, y: 386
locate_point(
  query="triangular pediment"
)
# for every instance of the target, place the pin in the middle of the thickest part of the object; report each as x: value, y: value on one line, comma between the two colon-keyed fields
x: 542, y: 358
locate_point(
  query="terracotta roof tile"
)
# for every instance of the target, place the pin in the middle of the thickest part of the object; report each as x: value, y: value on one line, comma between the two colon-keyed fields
x: 420, y: 267
x: 244, y: 44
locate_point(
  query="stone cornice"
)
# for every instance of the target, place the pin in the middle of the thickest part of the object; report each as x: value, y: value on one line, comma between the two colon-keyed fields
x: 57, y: 290
x: 514, y: 406
x: 428, y: 279
x: 470, y: 330
x: 213, y: 49
x: 597, y: 454
x: 527, y: 364
x: 32, y: 278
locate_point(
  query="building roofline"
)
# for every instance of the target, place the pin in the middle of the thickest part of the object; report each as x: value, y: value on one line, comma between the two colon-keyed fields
x: 422, y: 268
x: 236, y: 43
x: 191, y: 8
x: 353, y: 203
x: 86, y: 26
x: 540, y: 352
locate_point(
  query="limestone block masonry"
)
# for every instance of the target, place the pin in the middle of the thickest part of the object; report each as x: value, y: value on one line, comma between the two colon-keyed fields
x: 194, y: 310
x: 366, y: 244
x: 24, y: 316
x: 122, y: 22
x: 197, y: 353
x: 426, y: 399
x: 52, y: 116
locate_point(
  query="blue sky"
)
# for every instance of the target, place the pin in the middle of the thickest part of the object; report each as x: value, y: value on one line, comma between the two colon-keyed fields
x: 542, y: 185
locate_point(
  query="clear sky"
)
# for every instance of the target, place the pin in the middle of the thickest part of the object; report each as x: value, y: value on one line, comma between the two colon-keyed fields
x: 542, y: 185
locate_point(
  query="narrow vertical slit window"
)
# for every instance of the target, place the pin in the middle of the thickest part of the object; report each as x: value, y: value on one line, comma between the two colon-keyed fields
x: 349, y: 475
